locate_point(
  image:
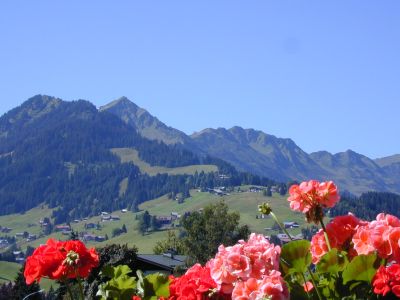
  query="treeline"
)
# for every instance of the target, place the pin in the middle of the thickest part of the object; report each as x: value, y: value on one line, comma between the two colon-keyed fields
x: 368, y: 205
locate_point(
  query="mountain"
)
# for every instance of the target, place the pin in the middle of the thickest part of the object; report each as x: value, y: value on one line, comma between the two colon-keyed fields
x: 353, y: 171
x: 258, y: 152
x: 81, y: 161
x: 282, y: 159
x: 267, y: 155
x: 147, y: 125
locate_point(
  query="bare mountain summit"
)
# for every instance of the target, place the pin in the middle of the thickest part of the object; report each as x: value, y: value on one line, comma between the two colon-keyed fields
x: 146, y: 124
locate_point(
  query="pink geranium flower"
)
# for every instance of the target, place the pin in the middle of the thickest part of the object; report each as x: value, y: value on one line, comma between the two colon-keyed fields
x: 310, y: 197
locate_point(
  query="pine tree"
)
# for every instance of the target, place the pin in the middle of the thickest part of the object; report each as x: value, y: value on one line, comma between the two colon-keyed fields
x: 21, y: 289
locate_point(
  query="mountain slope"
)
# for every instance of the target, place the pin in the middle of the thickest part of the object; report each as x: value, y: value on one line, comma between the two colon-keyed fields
x: 266, y: 155
x: 258, y: 152
x: 282, y: 159
x: 61, y: 154
x: 147, y: 125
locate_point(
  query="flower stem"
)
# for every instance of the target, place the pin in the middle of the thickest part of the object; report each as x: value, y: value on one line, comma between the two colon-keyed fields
x: 80, y: 288
x: 71, y: 295
x: 280, y: 225
x: 325, y: 234
x: 309, y: 269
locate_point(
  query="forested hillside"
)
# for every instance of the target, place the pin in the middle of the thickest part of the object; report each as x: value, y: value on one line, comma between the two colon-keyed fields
x: 59, y: 153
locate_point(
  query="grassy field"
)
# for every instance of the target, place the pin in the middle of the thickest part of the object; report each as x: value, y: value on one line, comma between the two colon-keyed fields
x: 8, y: 271
x: 244, y: 202
x: 28, y: 221
x: 131, y: 155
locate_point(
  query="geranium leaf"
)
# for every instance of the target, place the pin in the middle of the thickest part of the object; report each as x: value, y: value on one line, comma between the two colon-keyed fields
x: 361, y: 268
x: 112, y: 272
x: 295, y: 256
x: 121, y: 286
x: 332, y: 262
x: 156, y: 285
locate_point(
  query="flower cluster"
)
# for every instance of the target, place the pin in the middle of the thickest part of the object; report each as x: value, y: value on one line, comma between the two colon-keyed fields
x: 381, y: 235
x: 195, y: 284
x: 340, y: 232
x: 60, y: 260
x: 310, y: 197
x: 249, y: 268
x: 387, y: 279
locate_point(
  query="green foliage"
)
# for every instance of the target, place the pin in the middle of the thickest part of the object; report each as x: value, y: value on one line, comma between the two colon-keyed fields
x: 368, y: 205
x: 172, y: 242
x: 207, y: 229
x: 144, y: 222
x: 296, y: 257
x: 333, y: 262
x: 21, y: 289
x: 153, y: 286
x: 111, y: 255
x: 121, y: 286
x: 361, y: 268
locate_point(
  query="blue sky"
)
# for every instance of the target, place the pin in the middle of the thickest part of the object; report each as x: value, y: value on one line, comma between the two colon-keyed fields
x: 324, y: 73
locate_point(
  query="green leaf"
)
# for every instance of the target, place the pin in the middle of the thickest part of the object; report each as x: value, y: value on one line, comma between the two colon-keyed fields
x: 333, y: 262
x: 121, y: 286
x: 160, y: 284
x: 153, y: 286
x: 112, y: 272
x: 361, y: 268
x: 295, y: 256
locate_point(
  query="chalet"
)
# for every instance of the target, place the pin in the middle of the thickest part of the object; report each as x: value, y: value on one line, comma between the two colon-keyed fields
x: 104, y: 213
x: 32, y: 236
x: 255, y: 189
x: 105, y: 218
x: 291, y: 224
x: 89, y: 237
x: 66, y: 232
x: 76, y: 221
x: 90, y: 225
x: 115, y: 218
x: 19, y: 234
x: 4, y: 242
x: 175, y: 215
x: 164, y: 263
x: 20, y: 260
x: 164, y: 220
x: 6, y: 229
x: 223, y: 176
x: 284, y: 238
x: 124, y: 210
x: 100, y: 238
x: 62, y: 227
x: 217, y: 191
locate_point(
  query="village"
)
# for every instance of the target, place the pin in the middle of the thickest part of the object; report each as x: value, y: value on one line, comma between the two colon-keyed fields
x: 90, y: 229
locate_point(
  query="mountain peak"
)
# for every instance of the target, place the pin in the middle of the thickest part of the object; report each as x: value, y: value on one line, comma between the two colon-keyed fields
x: 122, y: 102
x: 146, y: 124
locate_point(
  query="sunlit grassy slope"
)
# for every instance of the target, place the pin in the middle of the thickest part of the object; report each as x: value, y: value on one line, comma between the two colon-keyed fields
x: 244, y: 202
x: 131, y: 155
x: 8, y: 271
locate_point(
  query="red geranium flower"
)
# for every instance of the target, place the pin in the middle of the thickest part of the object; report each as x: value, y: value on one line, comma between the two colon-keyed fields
x: 387, y: 279
x: 58, y: 260
x: 195, y: 284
